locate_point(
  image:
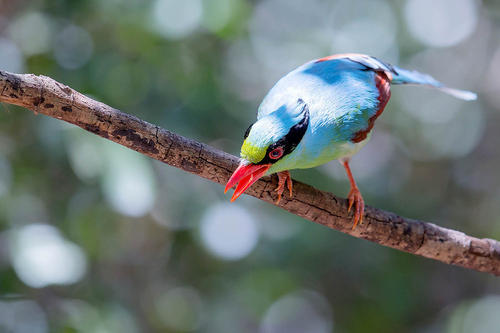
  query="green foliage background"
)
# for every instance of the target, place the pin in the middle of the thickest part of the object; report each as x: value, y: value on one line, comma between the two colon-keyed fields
x: 141, y: 256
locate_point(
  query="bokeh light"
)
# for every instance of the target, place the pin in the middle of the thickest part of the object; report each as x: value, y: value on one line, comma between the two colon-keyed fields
x: 217, y: 13
x: 42, y: 257
x: 128, y: 181
x: 73, y: 47
x: 22, y: 316
x: 32, y: 32
x: 298, y: 312
x: 279, y: 229
x: 177, y: 19
x: 12, y: 59
x: 290, y: 40
x: 85, y: 156
x: 373, y: 33
x: 466, y: 130
x: 479, y: 316
x: 126, y: 177
x: 228, y: 231
x: 441, y: 22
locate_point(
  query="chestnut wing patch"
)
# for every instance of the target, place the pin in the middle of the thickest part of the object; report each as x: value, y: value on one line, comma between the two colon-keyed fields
x: 382, y: 83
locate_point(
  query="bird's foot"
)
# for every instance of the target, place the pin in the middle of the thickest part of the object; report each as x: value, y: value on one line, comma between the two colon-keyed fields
x: 284, y: 177
x: 356, y: 200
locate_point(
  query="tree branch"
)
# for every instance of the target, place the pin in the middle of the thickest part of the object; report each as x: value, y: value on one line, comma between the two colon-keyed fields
x: 44, y: 95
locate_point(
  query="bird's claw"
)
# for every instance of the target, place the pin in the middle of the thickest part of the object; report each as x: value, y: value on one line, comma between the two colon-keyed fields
x: 355, y: 199
x: 284, y: 177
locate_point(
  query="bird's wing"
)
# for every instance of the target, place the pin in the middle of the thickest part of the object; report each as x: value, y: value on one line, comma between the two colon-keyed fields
x: 345, y: 93
x: 399, y: 75
x: 364, y: 91
x: 369, y: 62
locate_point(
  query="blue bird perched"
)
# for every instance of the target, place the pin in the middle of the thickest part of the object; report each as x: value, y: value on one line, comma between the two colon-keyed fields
x: 322, y: 111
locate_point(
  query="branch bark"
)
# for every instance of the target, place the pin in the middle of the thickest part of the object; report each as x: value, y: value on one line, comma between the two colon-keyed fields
x: 44, y: 95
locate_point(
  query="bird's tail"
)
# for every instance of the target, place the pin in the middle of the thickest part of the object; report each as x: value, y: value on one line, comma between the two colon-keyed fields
x: 403, y: 76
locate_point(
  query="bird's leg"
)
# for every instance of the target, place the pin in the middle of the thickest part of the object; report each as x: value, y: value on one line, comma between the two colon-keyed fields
x: 283, y: 177
x: 354, y: 197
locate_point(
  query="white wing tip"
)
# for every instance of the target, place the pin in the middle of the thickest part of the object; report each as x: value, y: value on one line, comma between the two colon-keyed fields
x: 462, y: 94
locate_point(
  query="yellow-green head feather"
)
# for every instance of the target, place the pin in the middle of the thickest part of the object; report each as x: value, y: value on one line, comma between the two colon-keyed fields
x: 252, y: 153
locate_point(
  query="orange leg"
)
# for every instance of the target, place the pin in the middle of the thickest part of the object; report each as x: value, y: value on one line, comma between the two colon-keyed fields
x: 354, y: 197
x: 283, y: 177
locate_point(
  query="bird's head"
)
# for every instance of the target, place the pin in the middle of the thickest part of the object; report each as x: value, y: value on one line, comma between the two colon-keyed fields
x: 267, y: 141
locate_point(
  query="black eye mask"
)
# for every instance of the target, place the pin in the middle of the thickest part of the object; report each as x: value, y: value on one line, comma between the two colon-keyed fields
x: 247, y: 132
x: 292, y: 139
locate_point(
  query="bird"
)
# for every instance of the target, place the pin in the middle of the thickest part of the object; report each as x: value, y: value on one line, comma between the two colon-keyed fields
x: 321, y: 111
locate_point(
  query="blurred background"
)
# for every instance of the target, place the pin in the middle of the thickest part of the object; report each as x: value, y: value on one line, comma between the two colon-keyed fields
x: 97, y: 238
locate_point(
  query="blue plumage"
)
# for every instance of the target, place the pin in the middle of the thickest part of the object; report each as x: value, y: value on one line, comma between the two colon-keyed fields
x: 405, y: 76
x: 321, y: 111
x: 341, y: 95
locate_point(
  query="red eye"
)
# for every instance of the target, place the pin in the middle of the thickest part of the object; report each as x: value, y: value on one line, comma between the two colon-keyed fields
x: 276, y: 153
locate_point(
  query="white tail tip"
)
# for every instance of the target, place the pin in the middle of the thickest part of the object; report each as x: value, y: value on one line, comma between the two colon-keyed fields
x: 462, y: 94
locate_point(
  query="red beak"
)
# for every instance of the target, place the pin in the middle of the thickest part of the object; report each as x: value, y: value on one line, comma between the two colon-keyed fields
x: 245, y: 175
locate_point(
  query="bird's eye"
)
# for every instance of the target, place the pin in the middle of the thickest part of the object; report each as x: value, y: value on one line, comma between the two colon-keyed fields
x: 276, y: 153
